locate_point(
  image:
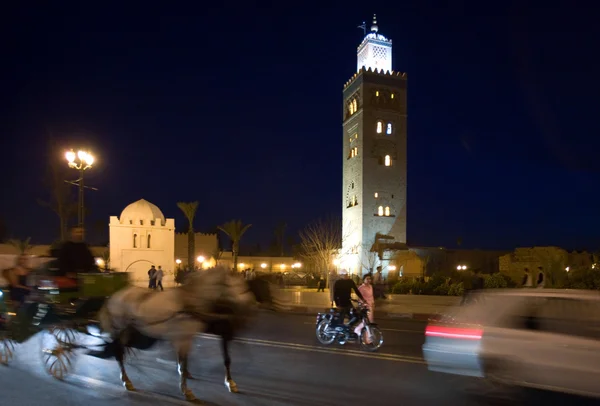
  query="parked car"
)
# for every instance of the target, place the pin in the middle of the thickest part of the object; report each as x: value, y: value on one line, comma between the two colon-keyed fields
x: 540, y: 338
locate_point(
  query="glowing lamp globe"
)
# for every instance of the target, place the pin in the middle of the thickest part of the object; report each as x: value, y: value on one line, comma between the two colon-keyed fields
x: 70, y: 156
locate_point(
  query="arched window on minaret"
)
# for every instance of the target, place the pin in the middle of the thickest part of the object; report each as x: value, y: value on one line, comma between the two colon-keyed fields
x: 350, y: 108
x: 387, y: 211
x: 388, y: 129
x: 354, y: 105
x: 379, y: 127
x: 387, y: 161
x: 380, y: 211
x: 135, y: 241
x: 149, y: 239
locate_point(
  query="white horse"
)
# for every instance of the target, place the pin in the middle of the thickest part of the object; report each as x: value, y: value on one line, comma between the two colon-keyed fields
x: 212, y: 301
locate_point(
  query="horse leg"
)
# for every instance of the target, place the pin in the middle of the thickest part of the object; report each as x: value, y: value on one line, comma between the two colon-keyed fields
x: 229, y: 383
x: 183, y: 351
x: 120, y: 356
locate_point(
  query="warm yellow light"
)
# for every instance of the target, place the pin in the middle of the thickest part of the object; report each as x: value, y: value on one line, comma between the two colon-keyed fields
x: 178, y: 261
x: 81, y: 155
x: 242, y: 265
x: 392, y: 267
x: 282, y: 266
x: 336, y: 262
x: 298, y: 265
x: 380, y: 211
x: 89, y: 159
x: 263, y: 265
x: 200, y: 258
x: 567, y: 269
x: 392, y: 96
x: 387, y: 210
x: 206, y: 265
x: 376, y: 195
x: 388, y: 160
x: 70, y: 156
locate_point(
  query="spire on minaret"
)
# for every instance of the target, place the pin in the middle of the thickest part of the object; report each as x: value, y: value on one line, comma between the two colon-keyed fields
x: 375, y: 51
x: 374, y: 27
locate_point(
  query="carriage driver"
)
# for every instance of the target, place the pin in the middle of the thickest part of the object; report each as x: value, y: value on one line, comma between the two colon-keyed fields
x: 75, y: 256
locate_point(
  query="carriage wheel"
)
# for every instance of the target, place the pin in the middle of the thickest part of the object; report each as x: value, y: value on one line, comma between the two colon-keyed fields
x: 58, y: 353
x: 64, y: 335
x: 7, y: 349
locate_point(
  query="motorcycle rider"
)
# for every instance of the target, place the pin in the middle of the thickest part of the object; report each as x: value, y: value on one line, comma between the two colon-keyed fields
x: 342, y: 291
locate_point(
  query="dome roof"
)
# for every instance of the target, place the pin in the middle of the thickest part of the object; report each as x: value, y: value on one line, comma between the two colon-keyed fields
x: 142, y: 210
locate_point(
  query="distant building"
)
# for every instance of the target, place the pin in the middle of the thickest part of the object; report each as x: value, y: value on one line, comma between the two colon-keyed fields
x: 141, y: 237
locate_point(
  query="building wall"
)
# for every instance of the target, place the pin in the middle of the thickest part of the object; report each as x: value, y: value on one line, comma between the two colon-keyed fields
x: 272, y: 264
x: 205, y: 245
x: 125, y: 257
x: 553, y: 260
x: 364, y: 172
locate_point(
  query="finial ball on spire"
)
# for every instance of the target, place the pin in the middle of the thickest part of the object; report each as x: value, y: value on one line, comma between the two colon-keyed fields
x: 374, y: 27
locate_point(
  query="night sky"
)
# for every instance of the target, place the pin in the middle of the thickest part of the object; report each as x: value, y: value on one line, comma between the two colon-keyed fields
x: 240, y: 107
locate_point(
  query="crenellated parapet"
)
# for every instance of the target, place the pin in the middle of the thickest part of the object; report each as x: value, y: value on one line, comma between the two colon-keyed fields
x: 199, y: 234
x: 378, y: 72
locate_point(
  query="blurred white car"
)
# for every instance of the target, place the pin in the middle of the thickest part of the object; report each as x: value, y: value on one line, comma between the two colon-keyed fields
x: 540, y: 338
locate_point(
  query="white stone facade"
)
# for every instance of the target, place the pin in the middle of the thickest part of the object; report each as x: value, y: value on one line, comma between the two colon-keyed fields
x: 374, y: 162
x: 141, y: 237
x: 375, y: 52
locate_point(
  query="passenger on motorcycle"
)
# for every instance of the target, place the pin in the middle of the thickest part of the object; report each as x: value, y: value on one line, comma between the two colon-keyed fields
x: 367, y: 292
x: 342, y: 291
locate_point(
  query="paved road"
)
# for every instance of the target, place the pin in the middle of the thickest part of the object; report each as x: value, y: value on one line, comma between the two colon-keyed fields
x: 277, y: 362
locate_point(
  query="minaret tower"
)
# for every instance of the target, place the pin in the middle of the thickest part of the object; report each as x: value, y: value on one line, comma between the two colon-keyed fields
x: 374, y: 154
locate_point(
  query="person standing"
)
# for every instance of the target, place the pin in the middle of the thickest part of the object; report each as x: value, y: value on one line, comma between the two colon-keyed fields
x: 159, y: 277
x: 152, y: 278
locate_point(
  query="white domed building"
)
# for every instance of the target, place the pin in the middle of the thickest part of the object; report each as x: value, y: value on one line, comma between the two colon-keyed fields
x: 141, y: 237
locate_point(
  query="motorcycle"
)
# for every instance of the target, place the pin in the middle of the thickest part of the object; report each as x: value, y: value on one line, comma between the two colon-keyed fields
x: 330, y: 328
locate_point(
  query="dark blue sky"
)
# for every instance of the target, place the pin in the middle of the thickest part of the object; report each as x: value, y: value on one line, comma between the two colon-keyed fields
x: 239, y: 107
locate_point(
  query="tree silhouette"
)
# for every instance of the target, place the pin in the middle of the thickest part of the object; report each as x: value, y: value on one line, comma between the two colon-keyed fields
x: 235, y: 230
x: 189, y: 209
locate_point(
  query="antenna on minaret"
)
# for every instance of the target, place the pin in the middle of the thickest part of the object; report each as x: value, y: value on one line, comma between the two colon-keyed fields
x: 364, y: 27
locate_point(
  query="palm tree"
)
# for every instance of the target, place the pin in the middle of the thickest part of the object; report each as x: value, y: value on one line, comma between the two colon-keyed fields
x: 235, y: 230
x: 21, y: 245
x: 189, y: 209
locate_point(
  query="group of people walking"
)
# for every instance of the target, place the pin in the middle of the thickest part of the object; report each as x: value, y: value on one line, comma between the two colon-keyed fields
x: 155, y: 276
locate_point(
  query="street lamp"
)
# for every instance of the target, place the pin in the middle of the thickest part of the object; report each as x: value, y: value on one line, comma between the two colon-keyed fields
x: 80, y: 161
x: 200, y: 259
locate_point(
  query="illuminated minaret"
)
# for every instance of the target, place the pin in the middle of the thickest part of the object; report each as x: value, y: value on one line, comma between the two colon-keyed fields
x: 374, y: 153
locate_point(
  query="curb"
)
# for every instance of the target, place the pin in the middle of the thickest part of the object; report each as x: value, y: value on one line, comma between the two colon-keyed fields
x: 312, y: 311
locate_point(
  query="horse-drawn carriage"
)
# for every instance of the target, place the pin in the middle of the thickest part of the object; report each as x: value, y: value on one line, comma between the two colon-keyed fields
x: 59, y: 308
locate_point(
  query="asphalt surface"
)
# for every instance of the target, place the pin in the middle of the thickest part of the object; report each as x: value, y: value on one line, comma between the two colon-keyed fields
x: 276, y: 362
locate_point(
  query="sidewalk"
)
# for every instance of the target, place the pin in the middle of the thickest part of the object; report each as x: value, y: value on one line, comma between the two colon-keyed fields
x: 416, y: 307
x: 310, y: 302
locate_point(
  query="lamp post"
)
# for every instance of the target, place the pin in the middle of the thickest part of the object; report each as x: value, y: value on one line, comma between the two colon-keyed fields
x: 80, y: 161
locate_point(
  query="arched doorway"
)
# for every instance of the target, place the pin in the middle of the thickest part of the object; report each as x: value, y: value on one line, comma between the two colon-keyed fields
x: 139, y: 270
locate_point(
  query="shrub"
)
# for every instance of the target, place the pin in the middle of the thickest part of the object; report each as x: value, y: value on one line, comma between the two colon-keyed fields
x: 495, y: 281
x: 456, y: 289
